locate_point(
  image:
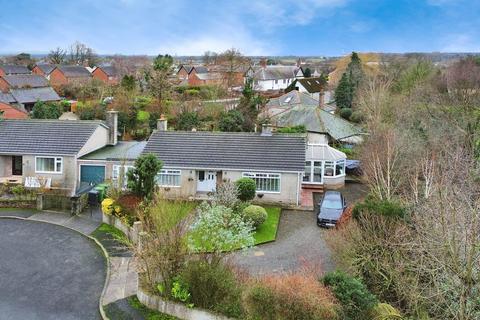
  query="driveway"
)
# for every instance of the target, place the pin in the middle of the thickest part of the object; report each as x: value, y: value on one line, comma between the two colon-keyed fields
x: 299, y: 242
x: 48, y: 272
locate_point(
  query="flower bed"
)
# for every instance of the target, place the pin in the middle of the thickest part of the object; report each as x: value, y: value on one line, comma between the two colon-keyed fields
x: 132, y: 232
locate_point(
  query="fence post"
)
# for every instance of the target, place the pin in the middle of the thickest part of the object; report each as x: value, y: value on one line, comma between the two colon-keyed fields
x: 40, y: 201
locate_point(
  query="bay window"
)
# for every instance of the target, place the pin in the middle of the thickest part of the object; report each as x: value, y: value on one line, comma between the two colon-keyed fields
x: 169, y: 178
x: 265, y: 182
x: 48, y: 164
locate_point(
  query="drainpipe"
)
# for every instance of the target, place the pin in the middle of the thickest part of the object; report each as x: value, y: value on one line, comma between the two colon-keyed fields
x: 298, y: 189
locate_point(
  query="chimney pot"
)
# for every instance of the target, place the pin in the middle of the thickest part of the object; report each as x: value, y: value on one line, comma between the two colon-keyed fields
x: 162, y: 123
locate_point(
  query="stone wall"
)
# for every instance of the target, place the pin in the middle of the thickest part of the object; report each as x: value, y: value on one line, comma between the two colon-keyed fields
x: 132, y: 232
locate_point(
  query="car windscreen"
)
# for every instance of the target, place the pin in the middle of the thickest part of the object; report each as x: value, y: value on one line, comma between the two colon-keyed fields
x: 332, y: 204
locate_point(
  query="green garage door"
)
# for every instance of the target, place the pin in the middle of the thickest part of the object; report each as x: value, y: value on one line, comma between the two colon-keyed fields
x: 92, y: 174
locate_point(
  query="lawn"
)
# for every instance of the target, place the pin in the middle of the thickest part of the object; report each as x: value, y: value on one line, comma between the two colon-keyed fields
x: 267, y: 231
x: 168, y: 213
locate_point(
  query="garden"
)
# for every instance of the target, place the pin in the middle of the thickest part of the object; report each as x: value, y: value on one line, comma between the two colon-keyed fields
x: 16, y: 196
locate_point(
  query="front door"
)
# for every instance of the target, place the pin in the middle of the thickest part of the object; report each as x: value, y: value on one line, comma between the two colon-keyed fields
x: 206, y: 181
x: 17, y: 165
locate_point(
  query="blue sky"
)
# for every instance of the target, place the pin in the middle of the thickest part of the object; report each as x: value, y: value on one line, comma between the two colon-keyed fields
x: 256, y: 27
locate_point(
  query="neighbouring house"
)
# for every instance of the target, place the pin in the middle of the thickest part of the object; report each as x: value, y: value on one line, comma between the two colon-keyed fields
x: 195, y: 163
x: 8, y: 69
x: 8, y: 111
x: 201, y: 79
x: 110, y: 163
x: 43, y: 69
x: 26, y: 98
x: 62, y: 75
x: 21, y: 81
x: 184, y: 71
x: 44, y: 153
x: 295, y: 108
x: 314, y: 87
x: 107, y: 74
x: 274, y: 77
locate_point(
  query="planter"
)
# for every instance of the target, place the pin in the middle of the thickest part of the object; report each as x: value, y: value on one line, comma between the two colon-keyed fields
x: 132, y: 233
x: 175, y: 309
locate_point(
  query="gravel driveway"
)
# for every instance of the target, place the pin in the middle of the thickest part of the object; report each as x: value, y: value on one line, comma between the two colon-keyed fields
x: 299, y: 240
x: 48, y: 272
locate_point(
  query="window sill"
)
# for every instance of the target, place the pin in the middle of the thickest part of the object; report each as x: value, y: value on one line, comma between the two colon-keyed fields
x: 48, y: 172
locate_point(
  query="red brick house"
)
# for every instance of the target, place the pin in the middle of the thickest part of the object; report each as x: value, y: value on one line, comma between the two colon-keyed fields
x: 107, y: 74
x: 62, y: 75
x: 22, y: 81
x: 9, y: 112
x: 43, y: 70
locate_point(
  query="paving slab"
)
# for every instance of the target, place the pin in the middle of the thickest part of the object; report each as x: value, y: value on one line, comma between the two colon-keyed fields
x: 52, y: 217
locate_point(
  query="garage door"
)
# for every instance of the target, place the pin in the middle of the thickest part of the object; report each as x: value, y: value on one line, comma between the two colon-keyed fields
x: 92, y: 174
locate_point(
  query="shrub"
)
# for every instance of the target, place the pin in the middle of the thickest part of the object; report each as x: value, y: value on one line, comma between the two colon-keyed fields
x: 346, y: 113
x: 226, y: 195
x: 289, y: 296
x: 256, y: 214
x: 384, y: 208
x: 357, y: 117
x: 188, y: 120
x: 141, y: 179
x: 231, y: 121
x: 246, y: 188
x: 384, y: 311
x: 46, y: 110
x: 18, y: 190
x: 107, y: 206
x: 355, y: 298
x: 294, y: 129
x: 213, y: 287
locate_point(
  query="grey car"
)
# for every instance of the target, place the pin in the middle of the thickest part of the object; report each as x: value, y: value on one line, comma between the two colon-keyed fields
x: 331, y: 209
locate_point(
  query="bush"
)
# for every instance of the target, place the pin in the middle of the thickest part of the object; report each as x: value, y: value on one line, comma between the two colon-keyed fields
x: 356, y: 299
x: 141, y: 179
x: 294, y: 129
x: 231, y: 121
x: 246, y: 189
x: 255, y: 214
x: 346, y: 113
x: 108, y: 206
x: 384, y: 311
x: 289, y: 296
x: 46, y: 110
x: 384, y: 208
x: 213, y: 287
x: 357, y: 117
x: 226, y: 195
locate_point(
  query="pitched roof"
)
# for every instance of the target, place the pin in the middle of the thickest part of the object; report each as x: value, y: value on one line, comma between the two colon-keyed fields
x: 14, y: 69
x: 187, y: 67
x: 312, y: 85
x: 10, y: 112
x: 199, y: 69
x: 123, y: 150
x: 221, y: 150
x: 275, y: 72
x: 26, y: 81
x: 301, y: 109
x: 111, y: 71
x: 46, y: 68
x: 7, y: 97
x: 32, y: 95
x: 74, y: 71
x: 45, y: 137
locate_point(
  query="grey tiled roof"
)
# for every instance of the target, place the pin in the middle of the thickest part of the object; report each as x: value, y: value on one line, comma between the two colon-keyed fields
x: 276, y: 73
x: 26, y: 80
x: 7, y: 97
x: 217, y: 150
x: 200, y: 69
x: 44, y: 137
x: 34, y: 94
x: 14, y: 69
x: 75, y: 71
x: 46, y: 68
x: 111, y: 71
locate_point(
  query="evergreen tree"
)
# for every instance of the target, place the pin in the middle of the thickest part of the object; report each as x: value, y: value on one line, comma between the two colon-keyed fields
x: 349, y: 83
x: 248, y: 105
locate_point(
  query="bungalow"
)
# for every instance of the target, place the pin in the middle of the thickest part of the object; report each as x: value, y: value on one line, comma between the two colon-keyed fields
x: 107, y: 74
x: 10, y: 112
x: 62, y: 75
x: 43, y: 70
x: 274, y: 77
x: 195, y: 163
x: 7, y: 69
x: 44, y: 153
x: 19, y: 81
x: 314, y: 87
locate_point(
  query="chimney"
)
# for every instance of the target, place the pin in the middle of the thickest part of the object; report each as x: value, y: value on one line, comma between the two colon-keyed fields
x: 263, y: 63
x: 266, y: 130
x: 112, y: 123
x: 162, y: 123
x: 321, y: 99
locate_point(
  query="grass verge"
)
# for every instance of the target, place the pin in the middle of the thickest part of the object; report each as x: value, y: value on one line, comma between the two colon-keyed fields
x: 267, y: 231
x: 149, y: 314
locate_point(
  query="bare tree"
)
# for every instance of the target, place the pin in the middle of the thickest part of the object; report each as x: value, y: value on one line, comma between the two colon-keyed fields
x: 80, y: 54
x: 57, y: 56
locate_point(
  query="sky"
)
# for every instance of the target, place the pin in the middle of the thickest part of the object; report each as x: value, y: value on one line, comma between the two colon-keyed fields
x: 255, y: 27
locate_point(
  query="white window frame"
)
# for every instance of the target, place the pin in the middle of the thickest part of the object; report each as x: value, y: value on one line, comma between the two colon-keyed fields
x: 172, y: 173
x: 331, y: 164
x: 56, y: 160
x: 264, y: 175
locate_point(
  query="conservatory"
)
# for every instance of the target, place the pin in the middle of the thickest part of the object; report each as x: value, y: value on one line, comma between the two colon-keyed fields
x: 324, y: 165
